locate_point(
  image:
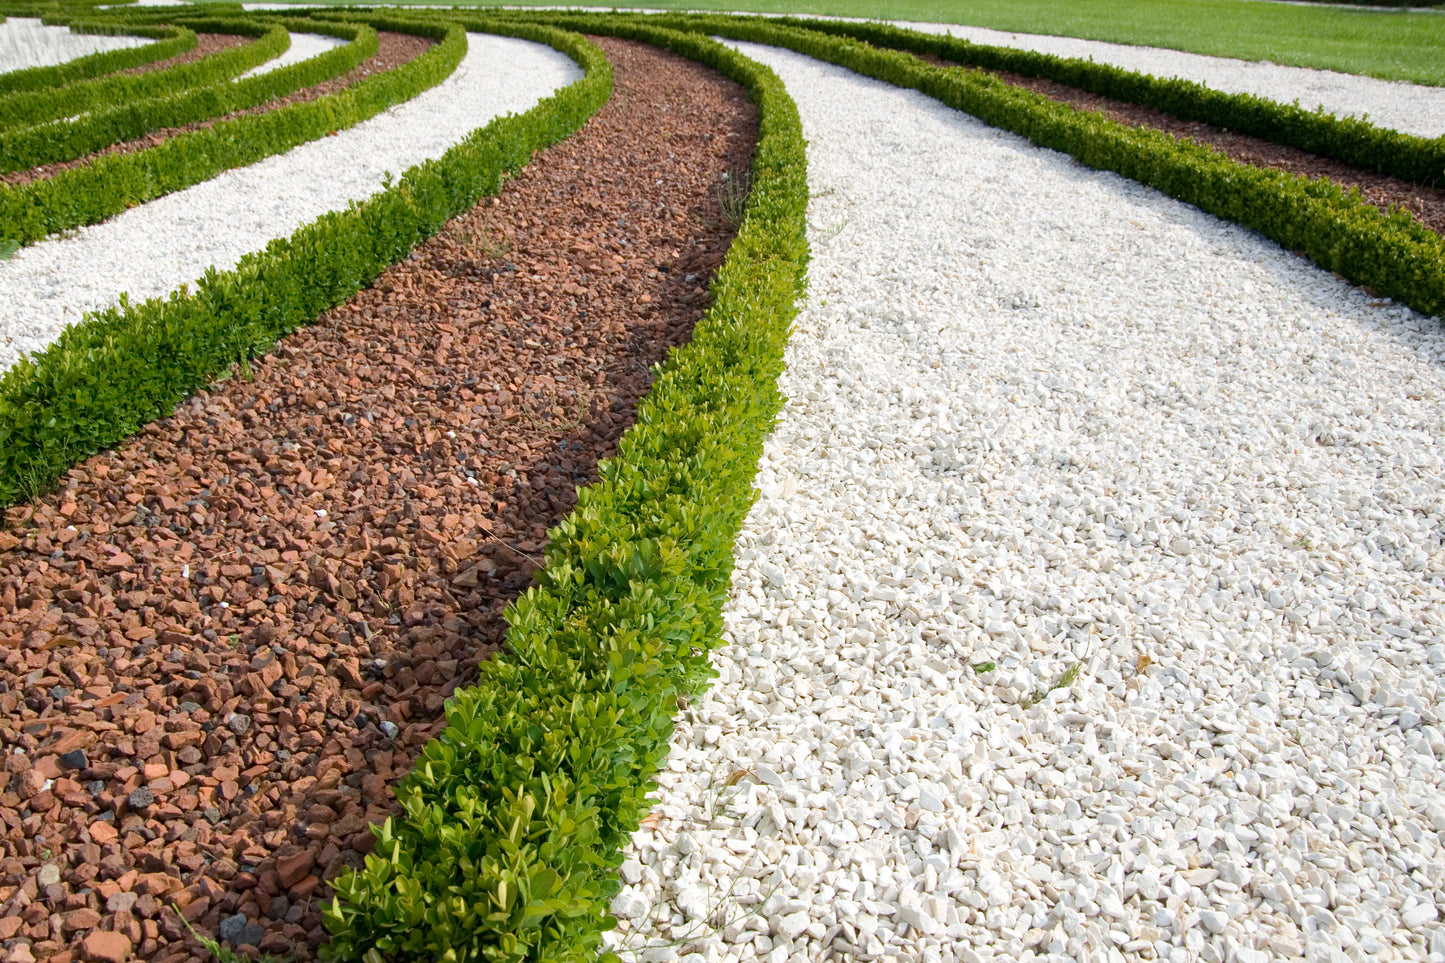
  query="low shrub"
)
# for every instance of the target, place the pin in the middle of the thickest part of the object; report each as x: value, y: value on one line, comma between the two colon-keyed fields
x: 1357, y: 142
x: 115, y: 182
x: 517, y: 812
x: 51, y: 143
x: 1391, y: 254
x: 169, y: 41
x: 29, y: 107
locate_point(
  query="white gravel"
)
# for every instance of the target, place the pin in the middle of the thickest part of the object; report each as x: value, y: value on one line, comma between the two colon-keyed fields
x: 153, y: 249
x: 25, y: 42
x: 1044, y: 418
x: 304, y: 46
x: 1411, y: 108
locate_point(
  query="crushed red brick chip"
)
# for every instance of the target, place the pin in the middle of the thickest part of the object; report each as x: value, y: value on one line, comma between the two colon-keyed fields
x: 226, y: 640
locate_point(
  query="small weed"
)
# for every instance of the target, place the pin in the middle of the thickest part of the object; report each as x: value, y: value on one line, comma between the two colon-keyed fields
x: 732, y: 195
x: 486, y: 244
x: 1063, y: 682
x: 8, y: 248
x: 224, y: 954
x: 827, y: 235
x: 718, y: 792
x: 984, y: 666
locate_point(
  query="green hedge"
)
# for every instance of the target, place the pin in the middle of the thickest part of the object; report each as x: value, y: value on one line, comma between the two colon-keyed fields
x: 40, y: 106
x: 169, y: 41
x: 1391, y: 254
x: 66, y: 140
x: 1357, y: 142
x: 517, y: 812
x: 111, y: 374
x: 113, y: 183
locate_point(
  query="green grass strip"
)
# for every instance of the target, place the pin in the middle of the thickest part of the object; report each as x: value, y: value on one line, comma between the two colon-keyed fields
x: 117, y: 370
x: 1391, y: 254
x: 113, y: 183
x: 66, y: 140
x: 40, y: 106
x: 169, y: 41
x: 1354, y: 141
x: 517, y: 812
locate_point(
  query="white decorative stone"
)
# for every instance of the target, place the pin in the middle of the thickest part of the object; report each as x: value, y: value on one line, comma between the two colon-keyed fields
x: 1068, y: 619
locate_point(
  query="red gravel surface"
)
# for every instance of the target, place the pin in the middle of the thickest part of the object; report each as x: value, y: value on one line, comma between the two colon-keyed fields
x: 206, y: 44
x: 392, y: 50
x: 225, y: 640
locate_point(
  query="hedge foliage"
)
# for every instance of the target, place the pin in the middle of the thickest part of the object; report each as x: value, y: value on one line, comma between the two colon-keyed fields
x: 115, y: 182
x: 169, y: 41
x: 1390, y: 254
x: 50, y: 143
x: 1357, y: 142
x: 516, y: 814
x: 116, y: 371
x: 30, y: 107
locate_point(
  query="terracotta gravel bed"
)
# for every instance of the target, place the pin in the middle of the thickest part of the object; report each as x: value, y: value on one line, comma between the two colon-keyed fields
x: 206, y: 44
x: 227, y: 639
x: 1426, y: 204
x: 392, y: 50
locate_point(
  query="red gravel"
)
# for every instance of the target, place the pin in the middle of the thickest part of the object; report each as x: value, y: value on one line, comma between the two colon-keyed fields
x: 227, y: 638
x: 206, y: 44
x: 392, y: 50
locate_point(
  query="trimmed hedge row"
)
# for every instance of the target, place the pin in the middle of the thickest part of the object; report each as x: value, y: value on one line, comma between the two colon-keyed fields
x: 169, y: 41
x: 117, y: 370
x: 115, y: 182
x: 1390, y: 254
x: 517, y: 812
x: 30, y: 107
x: 62, y: 141
x: 1357, y: 142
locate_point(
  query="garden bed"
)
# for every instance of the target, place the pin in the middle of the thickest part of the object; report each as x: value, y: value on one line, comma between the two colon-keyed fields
x: 394, y: 49
x: 441, y: 421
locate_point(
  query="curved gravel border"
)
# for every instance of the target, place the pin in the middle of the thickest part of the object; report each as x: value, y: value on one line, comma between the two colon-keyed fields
x: 152, y: 249
x: 1045, y: 422
x: 304, y: 46
x: 25, y: 42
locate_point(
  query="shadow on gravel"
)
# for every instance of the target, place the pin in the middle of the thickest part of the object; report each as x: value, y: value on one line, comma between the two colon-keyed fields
x: 225, y: 641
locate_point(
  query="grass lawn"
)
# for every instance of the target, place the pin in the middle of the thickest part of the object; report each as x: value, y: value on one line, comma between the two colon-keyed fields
x: 1394, y: 44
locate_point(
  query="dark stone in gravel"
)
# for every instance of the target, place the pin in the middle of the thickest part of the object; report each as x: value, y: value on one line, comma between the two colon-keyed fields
x: 237, y: 930
x: 75, y: 759
x: 141, y: 799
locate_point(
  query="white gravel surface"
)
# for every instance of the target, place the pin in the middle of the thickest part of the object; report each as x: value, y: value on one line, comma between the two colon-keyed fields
x: 1043, y: 419
x: 304, y: 46
x: 153, y: 249
x: 1411, y: 108
x: 25, y: 42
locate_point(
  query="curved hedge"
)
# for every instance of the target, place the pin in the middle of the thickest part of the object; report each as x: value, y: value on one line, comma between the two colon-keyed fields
x: 112, y: 183
x: 65, y: 140
x: 39, y: 106
x: 517, y: 812
x: 1419, y: 160
x: 1390, y: 254
x: 109, y: 375
x: 169, y: 41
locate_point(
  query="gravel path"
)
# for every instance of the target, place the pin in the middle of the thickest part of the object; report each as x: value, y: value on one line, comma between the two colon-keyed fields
x: 304, y: 46
x: 1044, y: 421
x: 25, y: 42
x: 1411, y: 108
x: 151, y: 250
